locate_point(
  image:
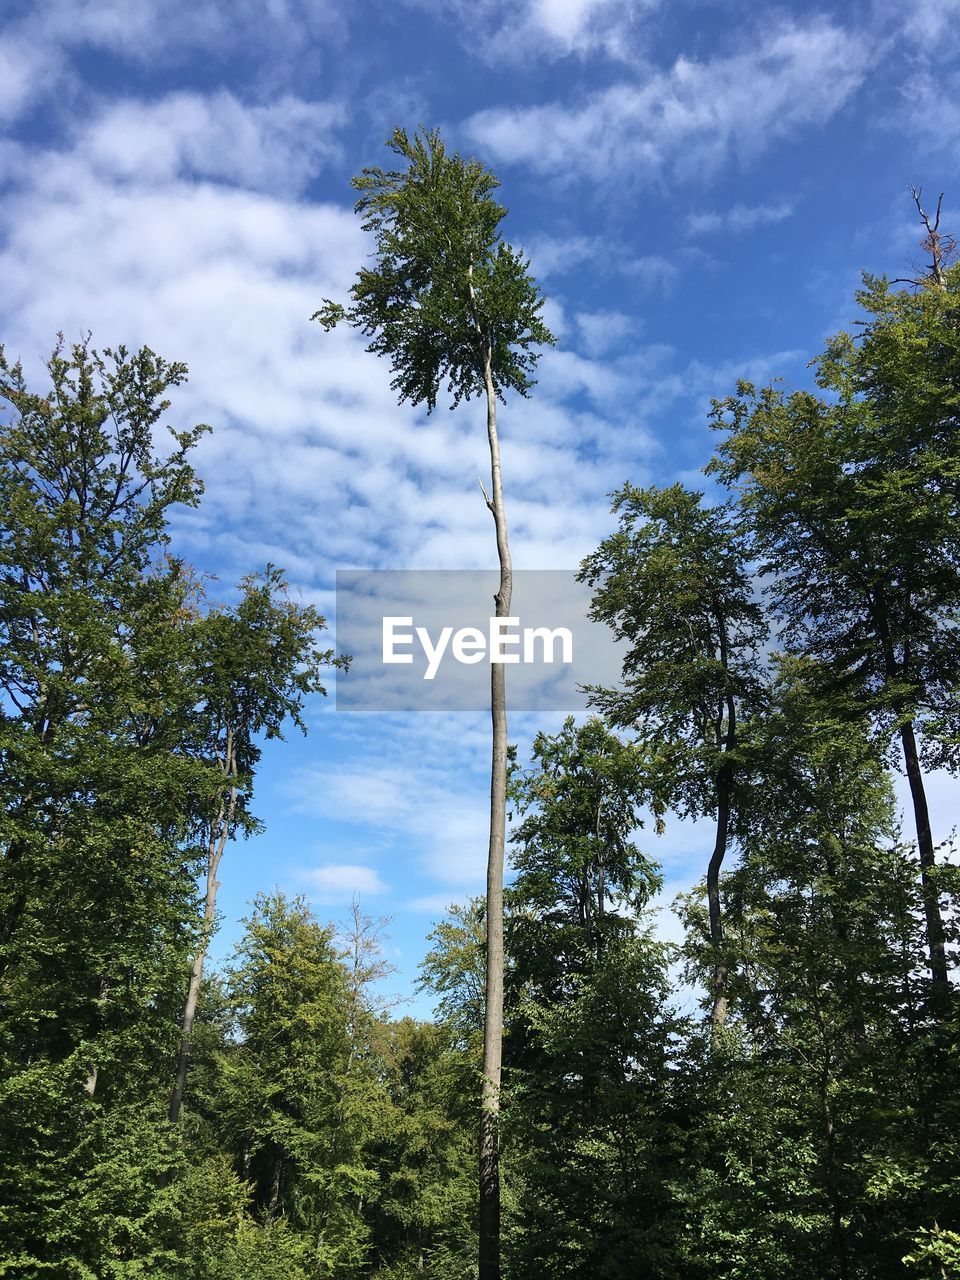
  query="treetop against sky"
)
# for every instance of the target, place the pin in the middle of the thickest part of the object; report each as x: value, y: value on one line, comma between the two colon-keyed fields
x: 697, y: 188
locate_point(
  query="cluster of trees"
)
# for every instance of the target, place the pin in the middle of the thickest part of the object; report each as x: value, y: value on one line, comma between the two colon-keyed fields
x: 789, y: 645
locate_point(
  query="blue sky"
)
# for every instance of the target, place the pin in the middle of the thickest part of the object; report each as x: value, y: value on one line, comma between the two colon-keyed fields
x: 698, y: 186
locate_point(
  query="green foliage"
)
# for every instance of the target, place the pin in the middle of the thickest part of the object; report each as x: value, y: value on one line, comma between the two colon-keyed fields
x: 935, y: 1253
x: 453, y: 970
x: 99, y: 806
x: 853, y: 501
x: 424, y: 1214
x: 674, y: 582
x: 121, y: 696
x: 447, y: 299
x: 573, y: 849
x: 298, y: 1099
x: 811, y: 1120
x: 587, y: 1031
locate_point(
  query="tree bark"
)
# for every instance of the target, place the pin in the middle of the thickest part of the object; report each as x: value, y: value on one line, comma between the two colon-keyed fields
x: 219, y: 834
x: 933, y: 921
x: 718, y: 1014
x: 489, y: 1171
x: 936, y: 944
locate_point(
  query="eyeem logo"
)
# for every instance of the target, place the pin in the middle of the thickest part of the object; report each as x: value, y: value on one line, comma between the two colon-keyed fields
x: 503, y: 641
x: 422, y: 640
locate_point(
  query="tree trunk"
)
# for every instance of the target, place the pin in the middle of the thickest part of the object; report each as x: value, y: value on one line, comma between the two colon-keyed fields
x: 718, y: 1014
x: 276, y: 1181
x: 219, y: 833
x: 931, y: 903
x: 489, y: 1171
x: 936, y: 946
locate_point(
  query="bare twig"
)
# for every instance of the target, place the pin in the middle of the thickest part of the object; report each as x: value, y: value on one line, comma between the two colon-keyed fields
x: 940, y: 247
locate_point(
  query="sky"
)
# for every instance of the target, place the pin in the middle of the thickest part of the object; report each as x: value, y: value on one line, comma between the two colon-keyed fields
x: 698, y: 187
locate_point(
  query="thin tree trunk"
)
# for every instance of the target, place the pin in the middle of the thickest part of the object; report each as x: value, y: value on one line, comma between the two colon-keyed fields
x: 718, y: 1014
x: 219, y: 834
x: 489, y: 1171
x: 936, y: 946
x: 824, y: 1078
x: 93, y: 1075
x: 276, y: 1181
x: 931, y: 903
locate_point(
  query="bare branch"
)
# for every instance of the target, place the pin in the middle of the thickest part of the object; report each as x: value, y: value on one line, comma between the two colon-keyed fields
x: 941, y: 248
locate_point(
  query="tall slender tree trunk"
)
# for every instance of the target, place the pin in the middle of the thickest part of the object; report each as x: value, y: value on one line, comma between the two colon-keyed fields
x: 936, y: 944
x: 718, y: 1014
x: 933, y: 921
x: 219, y: 834
x: 489, y: 1251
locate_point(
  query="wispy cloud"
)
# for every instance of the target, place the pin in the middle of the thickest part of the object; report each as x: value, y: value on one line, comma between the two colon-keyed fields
x: 602, y: 331
x: 739, y: 218
x: 26, y: 67
x: 929, y: 24
x: 929, y: 108
x: 149, y: 201
x: 445, y: 822
x: 341, y: 882
x: 279, y: 146
x: 692, y: 118
x: 502, y: 31
x: 552, y: 256
x: 36, y: 49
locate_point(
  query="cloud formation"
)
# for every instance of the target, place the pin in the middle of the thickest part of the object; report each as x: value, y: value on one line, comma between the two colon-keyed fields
x: 335, y: 883
x: 547, y: 30
x: 741, y: 217
x: 277, y: 147
x: 690, y: 119
x: 36, y: 48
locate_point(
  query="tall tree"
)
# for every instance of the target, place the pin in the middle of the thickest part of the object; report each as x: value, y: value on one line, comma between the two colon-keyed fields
x: 253, y: 666
x: 99, y: 800
x: 854, y: 501
x: 588, y: 1029
x: 131, y: 717
x: 448, y: 300
x: 674, y: 582
x: 299, y: 1103
x: 817, y: 1148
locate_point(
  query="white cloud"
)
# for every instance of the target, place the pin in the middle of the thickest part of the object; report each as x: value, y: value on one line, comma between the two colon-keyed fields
x: 557, y: 28
x: 443, y: 820
x: 740, y: 217
x: 605, y: 330
x: 930, y: 24
x: 503, y: 32
x: 305, y: 423
x: 561, y: 255
x: 690, y: 119
x: 311, y: 463
x: 652, y: 270
x: 35, y: 51
x: 929, y: 109
x: 274, y: 147
x: 341, y: 882
x: 556, y: 255
x: 25, y: 70
x: 436, y: 904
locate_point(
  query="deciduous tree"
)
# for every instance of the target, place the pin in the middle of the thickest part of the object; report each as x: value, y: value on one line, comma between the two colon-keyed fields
x: 674, y: 582
x: 449, y: 301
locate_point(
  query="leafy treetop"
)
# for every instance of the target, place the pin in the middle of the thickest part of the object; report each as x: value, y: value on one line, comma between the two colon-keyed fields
x: 447, y: 299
